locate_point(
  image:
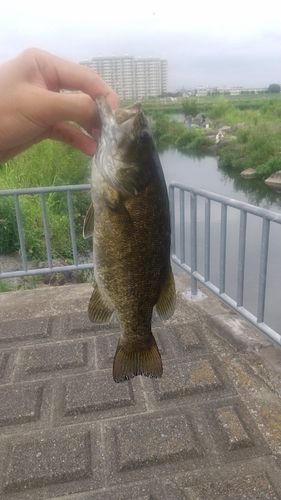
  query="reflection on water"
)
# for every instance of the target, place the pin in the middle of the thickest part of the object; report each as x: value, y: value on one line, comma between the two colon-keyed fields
x: 203, y: 172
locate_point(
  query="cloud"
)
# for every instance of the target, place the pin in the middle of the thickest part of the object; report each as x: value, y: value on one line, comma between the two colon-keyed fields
x: 203, y: 44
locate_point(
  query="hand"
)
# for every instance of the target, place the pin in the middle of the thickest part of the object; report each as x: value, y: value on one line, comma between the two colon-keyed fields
x: 32, y: 107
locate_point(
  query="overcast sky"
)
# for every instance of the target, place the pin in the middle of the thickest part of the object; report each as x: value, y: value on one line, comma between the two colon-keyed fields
x: 205, y: 42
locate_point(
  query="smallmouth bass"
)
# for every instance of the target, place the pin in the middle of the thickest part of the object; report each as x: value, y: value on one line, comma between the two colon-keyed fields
x: 130, y: 223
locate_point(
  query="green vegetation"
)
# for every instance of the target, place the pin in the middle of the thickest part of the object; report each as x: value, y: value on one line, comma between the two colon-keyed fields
x: 256, y: 146
x: 254, y: 139
x: 173, y: 133
x: 189, y: 107
x: 46, y: 164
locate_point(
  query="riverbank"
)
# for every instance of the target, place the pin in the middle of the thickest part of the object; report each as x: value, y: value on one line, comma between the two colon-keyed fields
x: 241, y: 136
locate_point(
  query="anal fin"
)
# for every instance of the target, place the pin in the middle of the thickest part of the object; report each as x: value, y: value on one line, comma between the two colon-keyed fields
x: 166, y: 303
x: 99, y: 310
x: 132, y: 360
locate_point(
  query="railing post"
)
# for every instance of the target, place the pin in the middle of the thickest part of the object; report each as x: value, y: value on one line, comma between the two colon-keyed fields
x: 241, y: 258
x: 193, y: 242
x: 182, y: 227
x: 223, y: 247
x: 20, y: 231
x: 172, y: 217
x: 46, y: 230
x: 263, y: 269
x: 72, y: 228
x: 207, y: 238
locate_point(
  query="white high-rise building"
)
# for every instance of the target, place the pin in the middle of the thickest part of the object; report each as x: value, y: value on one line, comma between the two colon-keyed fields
x: 130, y: 77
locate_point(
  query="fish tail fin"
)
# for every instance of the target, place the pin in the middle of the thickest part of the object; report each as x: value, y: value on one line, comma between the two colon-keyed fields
x: 133, y: 360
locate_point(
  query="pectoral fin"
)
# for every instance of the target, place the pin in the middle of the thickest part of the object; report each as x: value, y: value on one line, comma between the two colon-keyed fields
x: 88, y: 227
x: 99, y: 310
x: 166, y: 303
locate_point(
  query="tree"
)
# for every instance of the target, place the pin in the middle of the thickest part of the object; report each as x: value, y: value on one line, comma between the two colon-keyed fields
x: 189, y: 107
x: 274, y: 88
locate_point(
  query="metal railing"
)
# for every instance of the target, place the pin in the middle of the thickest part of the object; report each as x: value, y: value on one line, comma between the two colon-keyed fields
x: 185, y: 218
x: 42, y: 191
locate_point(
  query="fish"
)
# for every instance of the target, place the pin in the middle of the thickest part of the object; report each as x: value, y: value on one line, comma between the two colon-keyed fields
x: 129, y: 221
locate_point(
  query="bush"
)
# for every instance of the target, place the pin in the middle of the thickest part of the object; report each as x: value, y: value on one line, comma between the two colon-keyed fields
x: 227, y: 157
x: 219, y: 109
x: 189, y: 106
x: 200, y: 143
x: 243, y: 135
x: 270, y: 167
x: 167, y: 139
x: 193, y: 140
x: 161, y: 125
x: 186, y: 138
x: 255, y: 148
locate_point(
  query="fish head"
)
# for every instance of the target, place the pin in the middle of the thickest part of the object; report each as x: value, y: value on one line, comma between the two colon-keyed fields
x: 125, y: 148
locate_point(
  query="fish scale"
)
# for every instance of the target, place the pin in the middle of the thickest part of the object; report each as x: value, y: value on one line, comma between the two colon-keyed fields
x: 130, y: 223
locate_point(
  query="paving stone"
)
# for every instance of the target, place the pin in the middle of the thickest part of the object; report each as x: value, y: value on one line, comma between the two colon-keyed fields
x: 49, y: 358
x: 106, y: 348
x: 249, y: 487
x: 4, y: 356
x: 137, y: 491
x: 233, y: 428
x: 38, y: 328
x: 91, y: 394
x: 79, y: 324
x: 154, y: 441
x: 41, y: 462
x: 181, y: 379
x: 20, y: 404
x: 208, y: 430
x: 185, y: 338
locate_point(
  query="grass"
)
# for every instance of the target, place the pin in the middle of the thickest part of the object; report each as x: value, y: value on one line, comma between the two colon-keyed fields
x: 49, y: 163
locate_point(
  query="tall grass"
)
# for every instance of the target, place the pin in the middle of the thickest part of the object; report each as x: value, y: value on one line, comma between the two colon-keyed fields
x: 48, y: 163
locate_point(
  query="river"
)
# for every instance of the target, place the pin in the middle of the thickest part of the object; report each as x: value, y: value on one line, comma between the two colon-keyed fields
x: 203, y: 172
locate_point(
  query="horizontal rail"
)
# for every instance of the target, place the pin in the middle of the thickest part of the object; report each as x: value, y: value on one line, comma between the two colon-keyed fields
x: 231, y: 202
x: 46, y: 189
x: 42, y: 191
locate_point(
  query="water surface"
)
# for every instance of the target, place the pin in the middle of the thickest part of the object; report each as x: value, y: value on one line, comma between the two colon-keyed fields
x: 203, y: 173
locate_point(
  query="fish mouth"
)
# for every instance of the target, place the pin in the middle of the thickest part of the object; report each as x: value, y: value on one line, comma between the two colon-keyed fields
x: 120, y: 115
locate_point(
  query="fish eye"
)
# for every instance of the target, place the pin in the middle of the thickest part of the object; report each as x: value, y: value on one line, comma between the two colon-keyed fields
x: 144, y: 135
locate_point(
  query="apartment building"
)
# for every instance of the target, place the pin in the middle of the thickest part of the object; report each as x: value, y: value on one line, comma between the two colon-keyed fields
x: 130, y: 77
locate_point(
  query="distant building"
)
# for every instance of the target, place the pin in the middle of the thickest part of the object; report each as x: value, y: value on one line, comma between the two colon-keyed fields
x: 130, y: 77
x: 240, y: 90
x: 202, y: 91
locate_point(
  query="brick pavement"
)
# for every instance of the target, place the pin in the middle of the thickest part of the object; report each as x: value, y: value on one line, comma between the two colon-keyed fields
x: 209, y: 429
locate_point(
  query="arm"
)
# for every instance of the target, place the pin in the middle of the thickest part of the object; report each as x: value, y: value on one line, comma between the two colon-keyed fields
x: 33, y: 109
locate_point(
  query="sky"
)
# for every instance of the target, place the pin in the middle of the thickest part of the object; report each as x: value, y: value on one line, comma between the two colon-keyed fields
x: 205, y: 42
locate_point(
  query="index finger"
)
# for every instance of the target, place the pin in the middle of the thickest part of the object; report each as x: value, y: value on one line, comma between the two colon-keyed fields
x: 60, y: 74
